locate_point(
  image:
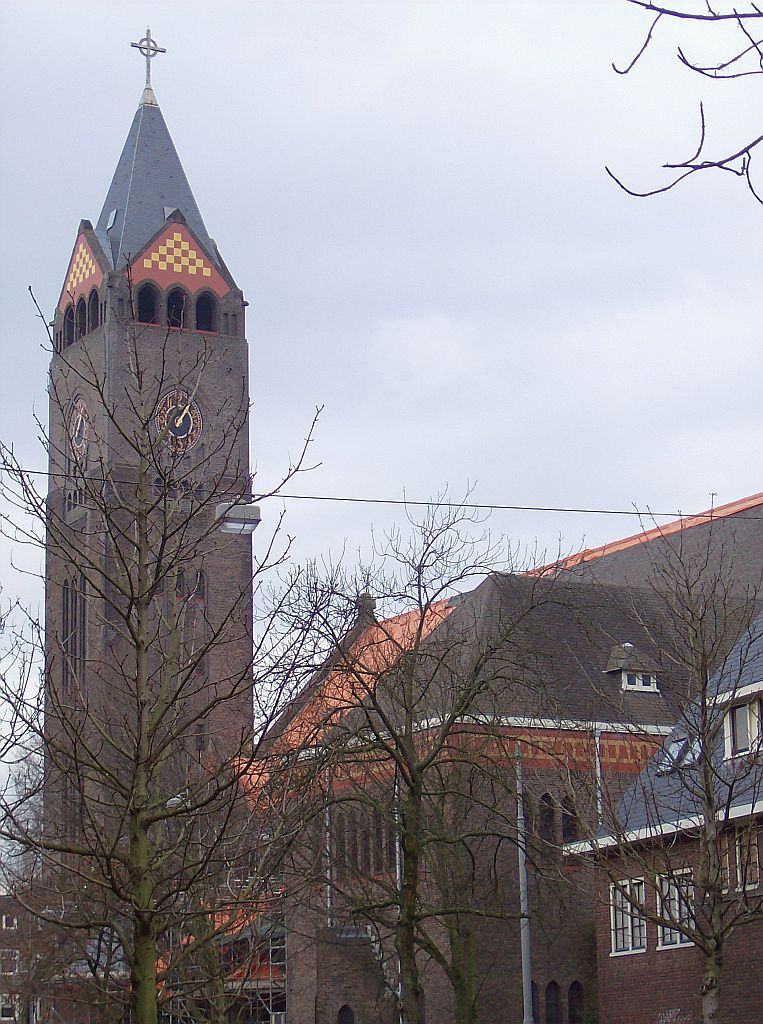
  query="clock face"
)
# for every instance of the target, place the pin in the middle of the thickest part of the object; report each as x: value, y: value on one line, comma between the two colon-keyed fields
x: 178, y: 420
x: 79, y: 427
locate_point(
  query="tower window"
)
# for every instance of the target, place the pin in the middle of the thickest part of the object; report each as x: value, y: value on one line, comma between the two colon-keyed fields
x: 81, y: 318
x: 148, y: 305
x: 74, y: 626
x: 68, y: 326
x: 206, y: 313
x: 176, y: 308
x: 93, y: 310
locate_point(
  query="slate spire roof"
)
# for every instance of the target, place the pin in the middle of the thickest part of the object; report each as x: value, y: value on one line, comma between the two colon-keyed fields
x: 148, y: 184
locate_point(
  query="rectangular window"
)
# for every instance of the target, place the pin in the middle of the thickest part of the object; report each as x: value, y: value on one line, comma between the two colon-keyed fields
x: 675, y: 902
x: 10, y: 922
x: 628, y: 927
x: 639, y: 681
x: 746, y: 858
x: 742, y: 729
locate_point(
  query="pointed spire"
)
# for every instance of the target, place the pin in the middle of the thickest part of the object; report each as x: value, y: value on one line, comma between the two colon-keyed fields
x: 149, y: 179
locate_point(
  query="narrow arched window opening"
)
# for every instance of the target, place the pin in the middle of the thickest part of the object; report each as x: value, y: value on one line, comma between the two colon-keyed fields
x: 81, y: 318
x: 69, y: 326
x: 93, y: 311
x: 148, y: 305
x: 553, y: 1013
x: 176, y: 308
x: 340, y: 846
x: 200, y: 588
x: 352, y: 841
x: 546, y: 818
x: 365, y: 845
x: 206, y: 313
x: 570, y: 824
x: 576, y: 1003
x: 345, y: 1015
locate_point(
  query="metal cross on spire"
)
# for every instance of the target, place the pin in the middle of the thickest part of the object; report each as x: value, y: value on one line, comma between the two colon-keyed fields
x: 149, y: 49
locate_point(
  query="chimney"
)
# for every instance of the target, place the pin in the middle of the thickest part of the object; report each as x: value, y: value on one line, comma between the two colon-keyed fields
x: 365, y: 605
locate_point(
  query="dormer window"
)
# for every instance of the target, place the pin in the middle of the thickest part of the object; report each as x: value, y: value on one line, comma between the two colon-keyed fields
x: 639, y: 681
x: 636, y: 670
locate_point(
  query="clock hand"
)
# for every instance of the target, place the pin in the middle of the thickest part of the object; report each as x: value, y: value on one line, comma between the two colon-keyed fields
x: 183, y: 414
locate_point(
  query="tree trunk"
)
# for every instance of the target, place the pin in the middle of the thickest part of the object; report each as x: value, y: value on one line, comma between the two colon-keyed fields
x: 405, y: 933
x: 463, y: 976
x: 143, y: 974
x: 711, y: 987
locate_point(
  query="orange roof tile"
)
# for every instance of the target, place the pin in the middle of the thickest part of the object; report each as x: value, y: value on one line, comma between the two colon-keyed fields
x: 374, y: 652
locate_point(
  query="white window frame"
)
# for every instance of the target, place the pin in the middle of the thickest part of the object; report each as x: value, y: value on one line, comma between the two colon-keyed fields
x: 7, y: 1001
x: 674, y: 905
x: 753, y: 730
x: 638, y: 685
x: 13, y: 962
x: 626, y: 919
x: 746, y: 858
x: 10, y: 922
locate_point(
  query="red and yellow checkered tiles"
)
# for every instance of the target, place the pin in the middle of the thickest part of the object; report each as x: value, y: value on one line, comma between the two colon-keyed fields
x: 82, y: 267
x: 175, y: 253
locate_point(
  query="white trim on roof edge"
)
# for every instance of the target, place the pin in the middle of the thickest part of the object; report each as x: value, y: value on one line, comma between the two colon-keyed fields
x: 665, y: 828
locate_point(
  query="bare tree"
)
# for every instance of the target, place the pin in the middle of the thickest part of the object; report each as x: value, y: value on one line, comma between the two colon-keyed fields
x: 143, y: 724
x: 740, y: 47
x: 678, y: 852
x: 410, y: 727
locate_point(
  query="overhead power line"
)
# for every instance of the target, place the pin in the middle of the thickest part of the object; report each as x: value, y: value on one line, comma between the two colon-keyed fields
x: 477, y: 506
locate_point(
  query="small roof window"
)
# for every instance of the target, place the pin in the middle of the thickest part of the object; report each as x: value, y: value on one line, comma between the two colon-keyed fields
x: 637, y: 672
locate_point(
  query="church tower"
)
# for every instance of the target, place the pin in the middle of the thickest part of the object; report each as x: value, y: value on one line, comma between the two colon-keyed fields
x: 148, y: 602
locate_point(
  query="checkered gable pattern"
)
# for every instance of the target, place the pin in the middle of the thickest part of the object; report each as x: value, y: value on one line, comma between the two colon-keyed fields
x: 83, y: 267
x: 176, y: 254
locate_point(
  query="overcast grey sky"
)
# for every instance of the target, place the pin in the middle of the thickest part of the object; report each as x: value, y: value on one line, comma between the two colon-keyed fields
x: 412, y: 196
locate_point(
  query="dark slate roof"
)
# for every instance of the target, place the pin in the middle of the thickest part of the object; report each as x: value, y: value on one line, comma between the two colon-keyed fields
x: 667, y: 791
x: 149, y: 182
x: 548, y: 644
x: 730, y: 542
x: 537, y: 649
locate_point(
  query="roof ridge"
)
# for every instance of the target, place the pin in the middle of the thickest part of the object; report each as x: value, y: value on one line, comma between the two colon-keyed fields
x: 730, y: 508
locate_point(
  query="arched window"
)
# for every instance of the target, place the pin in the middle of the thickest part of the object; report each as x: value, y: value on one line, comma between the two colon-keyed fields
x: 570, y: 825
x: 199, y: 594
x: 93, y: 310
x: 546, y: 827
x: 206, y: 313
x: 378, y: 841
x: 340, y: 846
x: 81, y: 318
x: 365, y: 845
x: 73, y: 632
x: 391, y: 843
x: 65, y: 627
x: 177, y: 304
x: 575, y: 1003
x: 148, y: 305
x: 352, y: 841
x: 553, y: 1015
x: 68, y: 326
x: 345, y: 1015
